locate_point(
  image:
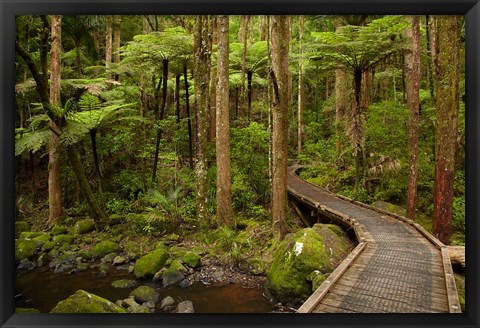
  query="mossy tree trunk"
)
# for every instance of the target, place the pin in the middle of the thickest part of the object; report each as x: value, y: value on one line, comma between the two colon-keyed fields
x: 224, y: 198
x: 279, y: 74
x: 301, y: 89
x: 412, y: 73
x: 117, y: 19
x: 201, y: 74
x: 108, y: 49
x: 446, y: 63
x: 189, y: 120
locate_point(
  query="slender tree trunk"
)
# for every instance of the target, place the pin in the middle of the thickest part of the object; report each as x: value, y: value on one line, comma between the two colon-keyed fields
x: 117, y: 19
x: 301, y: 91
x: 54, y: 184
x: 339, y: 108
x: 356, y: 128
x: 189, y: 119
x: 224, y: 198
x: 160, y: 118
x: 243, y: 39
x: 431, y: 35
x: 279, y: 74
x: 249, y: 86
x: 200, y: 46
x: 108, y: 49
x: 213, y: 84
x: 96, y: 161
x: 446, y: 63
x: 412, y: 72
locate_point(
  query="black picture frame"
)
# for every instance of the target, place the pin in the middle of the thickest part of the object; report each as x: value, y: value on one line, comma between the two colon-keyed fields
x: 10, y: 8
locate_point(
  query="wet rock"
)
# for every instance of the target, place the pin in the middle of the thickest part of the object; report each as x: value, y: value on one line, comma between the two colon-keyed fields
x: 24, y: 249
x: 144, y: 294
x: 172, y: 276
x: 138, y: 309
x: 119, y: 303
x: 42, y: 259
x: 84, y: 226
x: 102, y: 274
x: 185, y: 307
x: 41, y: 240
x: 54, y: 253
x: 48, y: 246
x: 103, y: 248
x: 84, y: 302
x: 124, y: 283
x: 131, y: 269
x: 159, y: 275
x: 109, y: 258
x: 119, y: 260
x: 185, y: 283
x: 63, y: 267
x: 148, y: 265
x: 65, y: 258
x: 25, y: 264
x: 149, y: 305
x: 59, y: 230
x: 167, y: 303
x: 130, y: 302
x: 192, y: 259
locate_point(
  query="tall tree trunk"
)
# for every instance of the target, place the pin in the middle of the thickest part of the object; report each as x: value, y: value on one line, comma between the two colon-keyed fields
x: 54, y: 184
x: 213, y: 84
x: 412, y: 72
x: 339, y: 108
x: 355, y: 128
x: 108, y: 49
x: 446, y: 63
x: 301, y: 91
x: 243, y: 39
x: 431, y: 36
x: 160, y: 118
x: 279, y: 73
x: 189, y: 119
x: 96, y: 161
x: 224, y: 198
x: 200, y: 46
x: 117, y: 19
x: 249, y: 91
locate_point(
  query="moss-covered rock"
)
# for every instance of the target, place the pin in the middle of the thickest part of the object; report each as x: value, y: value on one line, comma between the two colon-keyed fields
x: 42, y: 239
x: 84, y: 302
x: 296, y: 257
x: 48, y: 246
x: 29, y: 234
x: 124, y: 283
x: 59, y: 230
x: 21, y: 226
x: 63, y: 240
x: 191, y: 259
x: 104, y: 247
x: 172, y: 276
x: 84, y: 226
x: 26, y: 310
x: 148, y: 265
x: 144, y: 294
x: 25, y: 249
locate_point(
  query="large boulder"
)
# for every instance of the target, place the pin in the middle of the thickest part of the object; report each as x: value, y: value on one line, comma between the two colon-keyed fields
x: 84, y: 302
x: 300, y: 258
x: 63, y: 240
x: 42, y: 239
x: 144, y: 294
x: 148, y: 265
x: 25, y: 249
x: 104, y: 247
x: 84, y: 226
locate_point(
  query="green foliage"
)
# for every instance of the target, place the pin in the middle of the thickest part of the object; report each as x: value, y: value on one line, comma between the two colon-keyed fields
x: 458, y: 222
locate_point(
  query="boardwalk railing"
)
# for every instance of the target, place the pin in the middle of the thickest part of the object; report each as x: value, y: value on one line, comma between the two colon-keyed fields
x: 364, y: 238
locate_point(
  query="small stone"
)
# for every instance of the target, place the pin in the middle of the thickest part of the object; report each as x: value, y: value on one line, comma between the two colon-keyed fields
x: 119, y: 260
x: 149, y: 305
x: 159, y: 275
x: 25, y: 264
x: 59, y: 230
x: 171, y: 277
x: 124, y: 283
x: 84, y: 226
x: 109, y: 258
x: 119, y: 303
x: 102, y: 274
x: 185, y: 307
x: 184, y: 283
x: 191, y: 259
x: 144, y: 294
x: 104, y: 247
x: 129, y: 302
x: 166, y: 303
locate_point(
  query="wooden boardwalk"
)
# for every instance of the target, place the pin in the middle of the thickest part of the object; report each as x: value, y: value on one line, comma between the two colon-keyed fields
x: 397, y: 266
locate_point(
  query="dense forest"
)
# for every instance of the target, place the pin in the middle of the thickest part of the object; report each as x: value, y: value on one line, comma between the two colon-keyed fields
x: 180, y: 129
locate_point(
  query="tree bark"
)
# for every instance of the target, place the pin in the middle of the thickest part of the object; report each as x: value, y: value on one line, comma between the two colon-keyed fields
x: 213, y: 84
x: 224, y: 198
x: 108, y: 49
x: 412, y: 72
x: 446, y: 63
x: 339, y: 108
x: 117, y: 19
x: 160, y: 118
x: 301, y: 91
x: 279, y: 74
x: 54, y: 183
x: 200, y: 45
x: 189, y: 119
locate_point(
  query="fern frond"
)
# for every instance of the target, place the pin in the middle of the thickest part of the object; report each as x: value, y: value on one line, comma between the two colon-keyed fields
x: 31, y: 141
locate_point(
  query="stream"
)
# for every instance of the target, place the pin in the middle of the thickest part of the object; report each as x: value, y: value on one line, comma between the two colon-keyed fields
x: 42, y: 289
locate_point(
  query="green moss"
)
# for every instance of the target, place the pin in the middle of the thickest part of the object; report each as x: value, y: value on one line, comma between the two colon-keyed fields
x: 63, y: 240
x: 24, y: 249
x: 84, y: 226
x: 26, y: 310
x: 144, y: 294
x: 41, y: 240
x: 21, y: 226
x: 124, y: 283
x: 48, y: 246
x: 191, y: 259
x: 105, y: 247
x: 29, y: 234
x: 84, y: 302
x: 295, y: 259
x: 59, y: 230
x: 148, y: 265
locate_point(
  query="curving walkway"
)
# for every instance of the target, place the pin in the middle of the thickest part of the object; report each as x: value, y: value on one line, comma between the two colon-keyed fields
x: 397, y: 266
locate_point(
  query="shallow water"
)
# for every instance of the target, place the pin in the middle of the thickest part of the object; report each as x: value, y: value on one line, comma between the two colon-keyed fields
x: 41, y: 289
